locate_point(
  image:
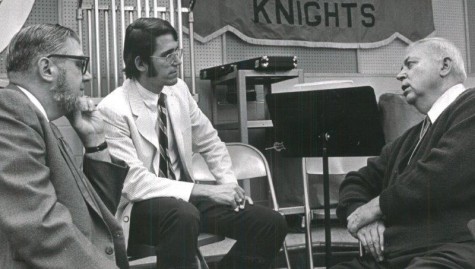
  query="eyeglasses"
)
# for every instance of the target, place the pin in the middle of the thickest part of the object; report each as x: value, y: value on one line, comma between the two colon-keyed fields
x: 172, y: 57
x: 84, y: 60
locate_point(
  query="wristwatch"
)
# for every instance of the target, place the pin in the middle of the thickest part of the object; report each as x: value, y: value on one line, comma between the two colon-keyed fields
x: 101, y: 147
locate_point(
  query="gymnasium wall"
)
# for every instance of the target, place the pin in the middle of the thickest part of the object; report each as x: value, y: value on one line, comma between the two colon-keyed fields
x: 450, y: 18
x: 453, y: 20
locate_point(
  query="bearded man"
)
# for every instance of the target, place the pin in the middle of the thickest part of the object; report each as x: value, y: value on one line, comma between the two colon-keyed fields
x: 50, y: 213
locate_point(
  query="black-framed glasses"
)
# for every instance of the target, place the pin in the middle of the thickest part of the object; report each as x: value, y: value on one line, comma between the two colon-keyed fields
x: 84, y: 60
x: 171, y: 58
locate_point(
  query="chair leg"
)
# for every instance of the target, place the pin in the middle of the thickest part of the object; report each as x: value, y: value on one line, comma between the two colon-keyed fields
x: 201, y: 260
x: 286, y: 253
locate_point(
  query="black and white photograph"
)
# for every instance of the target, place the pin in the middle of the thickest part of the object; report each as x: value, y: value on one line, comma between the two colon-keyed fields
x: 237, y: 134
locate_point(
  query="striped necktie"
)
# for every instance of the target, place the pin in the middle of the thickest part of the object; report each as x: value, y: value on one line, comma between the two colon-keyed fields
x: 425, y: 126
x: 165, y: 167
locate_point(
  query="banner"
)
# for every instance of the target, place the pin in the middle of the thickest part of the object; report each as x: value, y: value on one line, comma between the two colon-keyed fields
x: 13, y: 14
x: 314, y: 23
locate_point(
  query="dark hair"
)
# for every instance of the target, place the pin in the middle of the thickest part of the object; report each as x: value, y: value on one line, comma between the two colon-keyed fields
x: 140, y: 41
x: 36, y: 41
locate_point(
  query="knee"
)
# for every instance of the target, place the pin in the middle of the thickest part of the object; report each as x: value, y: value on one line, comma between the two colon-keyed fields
x: 280, y: 224
x: 277, y: 224
x: 186, y: 213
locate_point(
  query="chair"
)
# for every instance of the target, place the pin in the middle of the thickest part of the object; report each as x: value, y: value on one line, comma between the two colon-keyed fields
x: 248, y: 163
x: 397, y: 115
x: 143, y: 256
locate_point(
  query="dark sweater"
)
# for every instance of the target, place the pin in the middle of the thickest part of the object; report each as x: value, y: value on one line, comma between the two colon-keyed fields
x: 430, y: 201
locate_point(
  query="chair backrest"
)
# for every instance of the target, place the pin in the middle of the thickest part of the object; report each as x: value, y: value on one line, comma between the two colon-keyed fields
x: 397, y: 115
x: 248, y: 163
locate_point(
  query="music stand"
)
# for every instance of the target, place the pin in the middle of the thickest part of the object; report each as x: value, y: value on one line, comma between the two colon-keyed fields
x: 326, y: 123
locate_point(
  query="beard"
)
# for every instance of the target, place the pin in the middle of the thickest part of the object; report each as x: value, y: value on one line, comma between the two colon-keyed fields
x: 64, y: 95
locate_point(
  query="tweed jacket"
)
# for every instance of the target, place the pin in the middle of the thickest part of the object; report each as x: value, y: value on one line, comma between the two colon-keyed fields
x: 132, y: 137
x: 50, y: 214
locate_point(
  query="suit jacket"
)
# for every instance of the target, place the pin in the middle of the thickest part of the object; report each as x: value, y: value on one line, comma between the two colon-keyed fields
x: 132, y: 137
x: 50, y: 215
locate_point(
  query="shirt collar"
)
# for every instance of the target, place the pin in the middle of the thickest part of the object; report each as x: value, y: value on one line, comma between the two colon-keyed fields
x: 150, y: 99
x: 444, y: 101
x: 34, y: 101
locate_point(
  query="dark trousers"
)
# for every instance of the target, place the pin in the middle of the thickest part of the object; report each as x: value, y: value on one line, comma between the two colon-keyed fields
x: 447, y: 256
x: 172, y: 226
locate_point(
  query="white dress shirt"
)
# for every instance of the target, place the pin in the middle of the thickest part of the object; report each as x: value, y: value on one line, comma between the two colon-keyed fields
x: 151, y: 102
x: 444, y: 101
x: 34, y: 101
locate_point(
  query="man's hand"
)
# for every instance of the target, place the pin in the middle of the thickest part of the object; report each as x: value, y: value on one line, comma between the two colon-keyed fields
x: 371, y: 237
x: 89, y: 126
x: 85, y: 119
x: 364, y: 215
x: 242, y: 203
x: 226, y: 194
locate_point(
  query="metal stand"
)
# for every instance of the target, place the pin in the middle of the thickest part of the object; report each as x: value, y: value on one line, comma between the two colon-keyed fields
x: 326, y: 123
x: 308, y: 216
x: 326, y: 200
x: 326, y: 204
x: 191, y: 20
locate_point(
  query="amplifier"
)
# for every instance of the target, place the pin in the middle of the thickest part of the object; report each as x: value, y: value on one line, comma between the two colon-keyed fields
x: 264, y: 63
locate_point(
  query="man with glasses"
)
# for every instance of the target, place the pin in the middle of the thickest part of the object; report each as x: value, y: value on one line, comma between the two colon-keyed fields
x: 82, y: 62
x: 50, y: 214
x: 153, y: 123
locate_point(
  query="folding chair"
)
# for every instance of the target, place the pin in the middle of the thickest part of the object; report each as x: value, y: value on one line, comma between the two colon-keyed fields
x: 248, y: 163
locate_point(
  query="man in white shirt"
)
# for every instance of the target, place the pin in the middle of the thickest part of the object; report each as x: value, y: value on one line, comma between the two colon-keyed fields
x: 410, y: 206
x: 154, y: 124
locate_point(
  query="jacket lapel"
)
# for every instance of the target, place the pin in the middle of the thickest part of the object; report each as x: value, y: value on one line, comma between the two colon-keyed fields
x: 83, y: 186
x: 143, y: 121
x: 174, y: 114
